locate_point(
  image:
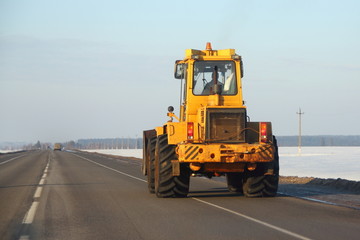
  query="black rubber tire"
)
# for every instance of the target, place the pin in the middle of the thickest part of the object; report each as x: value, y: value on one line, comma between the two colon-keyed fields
x: 256, y: 184
x: 167, y: 185
x: 151, y: 165
x: 260, y: 186
x: 235, y: 182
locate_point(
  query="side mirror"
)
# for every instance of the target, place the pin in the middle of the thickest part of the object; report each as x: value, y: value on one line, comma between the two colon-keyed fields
x: 179, y: 70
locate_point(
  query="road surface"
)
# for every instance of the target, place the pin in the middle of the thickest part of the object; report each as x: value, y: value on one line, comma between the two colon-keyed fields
x: 73, y: 195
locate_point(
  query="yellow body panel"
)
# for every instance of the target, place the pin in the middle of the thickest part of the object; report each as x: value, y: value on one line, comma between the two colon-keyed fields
x: 176, y: 132
x: 159, y: 131
x: 225, y: 153
x: 225, y: 53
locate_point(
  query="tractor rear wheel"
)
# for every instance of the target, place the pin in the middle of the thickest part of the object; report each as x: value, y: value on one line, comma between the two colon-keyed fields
x: 256, y: 184
x: 260, y: 186
x: 167, y: 185
x: 151, y: 164
x: 234, y: 182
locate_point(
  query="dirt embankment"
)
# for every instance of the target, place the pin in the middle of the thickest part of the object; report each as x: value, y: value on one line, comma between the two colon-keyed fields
x: 339, y: 191
x: 339, y: 184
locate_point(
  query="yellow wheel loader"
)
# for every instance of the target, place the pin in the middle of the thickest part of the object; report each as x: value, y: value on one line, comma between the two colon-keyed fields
x: 57, y: 147
x: 212, y: 136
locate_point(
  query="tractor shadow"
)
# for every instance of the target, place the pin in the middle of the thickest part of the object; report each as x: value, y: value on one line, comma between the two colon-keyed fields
x: 214, y: 192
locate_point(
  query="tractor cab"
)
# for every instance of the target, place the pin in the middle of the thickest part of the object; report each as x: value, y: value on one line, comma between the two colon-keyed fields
x: 210, y: 78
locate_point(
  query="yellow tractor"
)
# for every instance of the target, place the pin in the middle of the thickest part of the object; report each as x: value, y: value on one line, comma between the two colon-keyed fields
x: 213, y: 136
x: 57, y: 147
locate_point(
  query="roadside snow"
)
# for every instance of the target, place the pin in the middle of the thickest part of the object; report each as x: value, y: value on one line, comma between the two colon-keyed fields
x: 9, y: 151
x: 320, y: 162
x: 118, y: 152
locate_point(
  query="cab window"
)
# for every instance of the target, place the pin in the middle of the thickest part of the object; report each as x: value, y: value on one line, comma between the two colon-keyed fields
x: 207, y: 74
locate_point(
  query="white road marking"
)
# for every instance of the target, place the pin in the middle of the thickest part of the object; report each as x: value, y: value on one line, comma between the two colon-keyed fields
x: 11, y: 159
x: 24, y: 237
x: 29, y: 217
x: 128, y: 175
x: 254, y: 220
x: 38, y: 192
x: 214, y: 205
x: 42, y: 181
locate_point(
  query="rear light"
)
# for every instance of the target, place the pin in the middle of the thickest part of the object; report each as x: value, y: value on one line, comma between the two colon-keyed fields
x: 190, y: 130
x: 263, y: 132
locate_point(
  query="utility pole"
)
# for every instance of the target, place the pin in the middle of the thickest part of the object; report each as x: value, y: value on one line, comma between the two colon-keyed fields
x: 299, y: 138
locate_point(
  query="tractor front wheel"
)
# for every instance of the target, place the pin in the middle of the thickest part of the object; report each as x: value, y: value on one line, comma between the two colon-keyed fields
x: 151, y: 164
x: 167, y: 185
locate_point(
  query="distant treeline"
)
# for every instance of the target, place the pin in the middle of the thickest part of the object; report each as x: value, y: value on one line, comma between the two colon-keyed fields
x: 131, y: 143
x: 109, y: 143
x: 284, y: 141
x: 322, y: 140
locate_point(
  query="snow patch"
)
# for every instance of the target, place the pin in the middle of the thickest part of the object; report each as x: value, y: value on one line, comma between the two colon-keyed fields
x: 320, y: 162
x: 138, y: 153
x: 10, y: 151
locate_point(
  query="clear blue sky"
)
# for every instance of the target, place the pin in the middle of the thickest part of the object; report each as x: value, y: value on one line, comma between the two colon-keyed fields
x: 94, y: 69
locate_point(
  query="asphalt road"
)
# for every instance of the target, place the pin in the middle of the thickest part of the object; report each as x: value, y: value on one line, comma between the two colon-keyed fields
x: 68, y: 195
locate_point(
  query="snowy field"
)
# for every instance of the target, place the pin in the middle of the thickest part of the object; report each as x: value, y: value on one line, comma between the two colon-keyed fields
x: 138, y: 153
x: 321, y: 162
